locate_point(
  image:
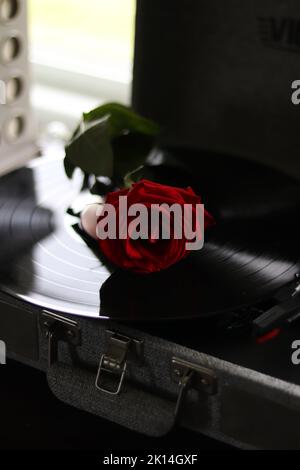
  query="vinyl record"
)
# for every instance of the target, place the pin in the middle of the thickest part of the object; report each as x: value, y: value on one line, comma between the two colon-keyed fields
x: 46, y: 260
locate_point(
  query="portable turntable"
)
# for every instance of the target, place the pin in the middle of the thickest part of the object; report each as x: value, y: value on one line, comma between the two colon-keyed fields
x: 189, y: 343
x: 212, y: 342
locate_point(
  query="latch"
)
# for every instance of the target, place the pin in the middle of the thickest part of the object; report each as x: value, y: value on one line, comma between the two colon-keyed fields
x: 57, y: 328
x: 191, y: 376
x: 113, y: 363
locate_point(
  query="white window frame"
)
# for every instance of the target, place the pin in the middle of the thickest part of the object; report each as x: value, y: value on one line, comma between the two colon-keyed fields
x: 63, y: 94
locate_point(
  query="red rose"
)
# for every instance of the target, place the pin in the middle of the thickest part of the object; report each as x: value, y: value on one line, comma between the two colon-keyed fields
x: 151, y: 253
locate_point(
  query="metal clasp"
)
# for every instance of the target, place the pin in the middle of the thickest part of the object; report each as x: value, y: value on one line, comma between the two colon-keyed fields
x: 57, y: 328
x: 113, y: 363
x: 188, y: 375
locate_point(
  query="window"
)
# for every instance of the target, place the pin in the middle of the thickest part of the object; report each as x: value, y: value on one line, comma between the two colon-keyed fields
x: 83, y: 47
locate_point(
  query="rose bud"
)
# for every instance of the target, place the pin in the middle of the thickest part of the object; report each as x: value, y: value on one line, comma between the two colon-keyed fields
x: 149, y: 251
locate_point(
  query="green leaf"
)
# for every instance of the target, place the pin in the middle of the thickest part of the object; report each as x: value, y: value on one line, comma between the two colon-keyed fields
x: 69, y: 167
x: 130, y: 151
x: 122, y: 120
x: 91, y: 148
x: 111, y: 140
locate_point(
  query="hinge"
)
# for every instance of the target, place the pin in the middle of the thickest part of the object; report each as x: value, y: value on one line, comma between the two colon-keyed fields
x: 57, y: 328
x: 191, y: 376
x: 113, y: 363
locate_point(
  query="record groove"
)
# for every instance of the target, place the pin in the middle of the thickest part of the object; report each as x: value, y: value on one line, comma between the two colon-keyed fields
x: 50, y: 264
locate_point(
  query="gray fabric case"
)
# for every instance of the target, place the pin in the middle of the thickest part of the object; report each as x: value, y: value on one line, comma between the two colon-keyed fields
x: 248, y: 409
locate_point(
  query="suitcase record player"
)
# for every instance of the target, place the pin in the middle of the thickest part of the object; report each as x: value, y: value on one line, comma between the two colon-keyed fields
x: 211, y: 343
x: 227, y: 314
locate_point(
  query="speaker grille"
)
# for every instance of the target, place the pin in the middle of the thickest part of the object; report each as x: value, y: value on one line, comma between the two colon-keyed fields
x: 16, y: 128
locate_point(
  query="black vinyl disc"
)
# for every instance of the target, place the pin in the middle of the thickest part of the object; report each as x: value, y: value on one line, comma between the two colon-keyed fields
x: 47, y: 261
